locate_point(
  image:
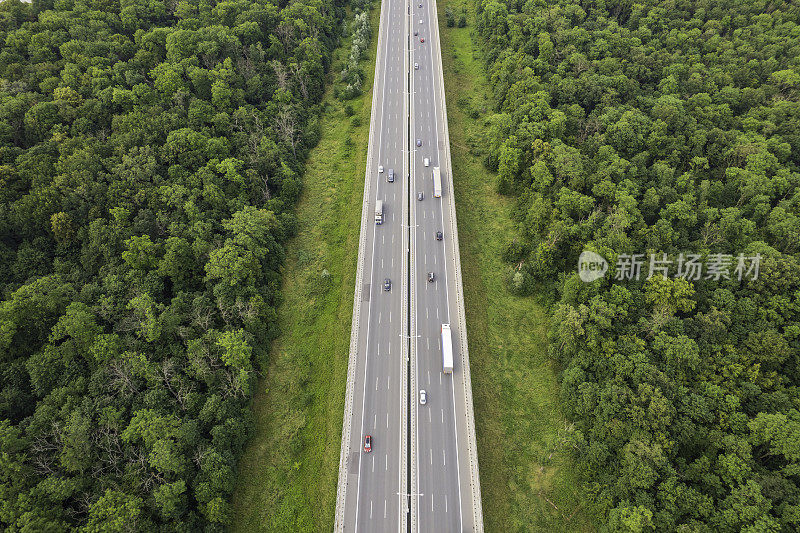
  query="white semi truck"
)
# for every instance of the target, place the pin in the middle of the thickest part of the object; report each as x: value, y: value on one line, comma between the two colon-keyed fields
x: 447, y: 350
x: 379, y: 212
x: 437, y: 183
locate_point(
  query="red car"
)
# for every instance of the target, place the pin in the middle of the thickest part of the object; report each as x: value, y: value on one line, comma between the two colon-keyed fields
x: 422, y: 39
x: 368, y: 443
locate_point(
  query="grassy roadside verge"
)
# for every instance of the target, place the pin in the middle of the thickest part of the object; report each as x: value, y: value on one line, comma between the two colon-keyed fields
x: 527, y: 479
x: 287, y: 474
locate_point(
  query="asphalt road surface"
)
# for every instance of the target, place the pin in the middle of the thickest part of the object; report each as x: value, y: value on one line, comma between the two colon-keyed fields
x: 416, y: 476
x: 443, y: 498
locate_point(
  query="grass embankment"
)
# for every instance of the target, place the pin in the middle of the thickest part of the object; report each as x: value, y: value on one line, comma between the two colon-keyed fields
x: 288, y: 473
x: 527, y: 479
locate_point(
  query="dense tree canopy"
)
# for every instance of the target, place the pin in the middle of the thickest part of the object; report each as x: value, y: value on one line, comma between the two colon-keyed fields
x: 150, y: 156
x: 661, y: 127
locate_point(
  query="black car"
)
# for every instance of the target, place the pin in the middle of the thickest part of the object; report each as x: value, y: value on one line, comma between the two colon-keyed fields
x: 438, y: 235
x: 387, y: 284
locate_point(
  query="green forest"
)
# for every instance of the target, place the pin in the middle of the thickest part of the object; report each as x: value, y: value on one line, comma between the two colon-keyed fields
x: 660, y: 127
x: 151, y: 154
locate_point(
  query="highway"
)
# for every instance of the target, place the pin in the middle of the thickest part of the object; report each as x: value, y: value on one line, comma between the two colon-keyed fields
x: 421, y: 474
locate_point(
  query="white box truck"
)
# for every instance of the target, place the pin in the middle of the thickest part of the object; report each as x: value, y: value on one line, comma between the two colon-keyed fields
x: 379, y: 212
x: 447, y: 350
x: 437, y: 183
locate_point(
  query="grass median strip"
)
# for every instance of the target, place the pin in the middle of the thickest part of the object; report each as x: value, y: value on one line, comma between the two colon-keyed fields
x: 288, y: 473
x: 527, y: 479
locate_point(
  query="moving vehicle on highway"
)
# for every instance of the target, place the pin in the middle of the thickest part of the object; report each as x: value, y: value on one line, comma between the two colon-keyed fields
x: 423, y: 397
x: 380, y: 169
x: 387, y: 284
x: 431, y: 276
x: 437, y: 183
x: 416, y: 66
x: 416, y: 32
x: 379, y: 212
x: 368, y: 443
x: 447, y: 350
x: 426, y: 162
x: 420, y: 196
x: 439, y: 235
x: 422, y: 39
x: 419, y: 142
x: 390, y: 176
